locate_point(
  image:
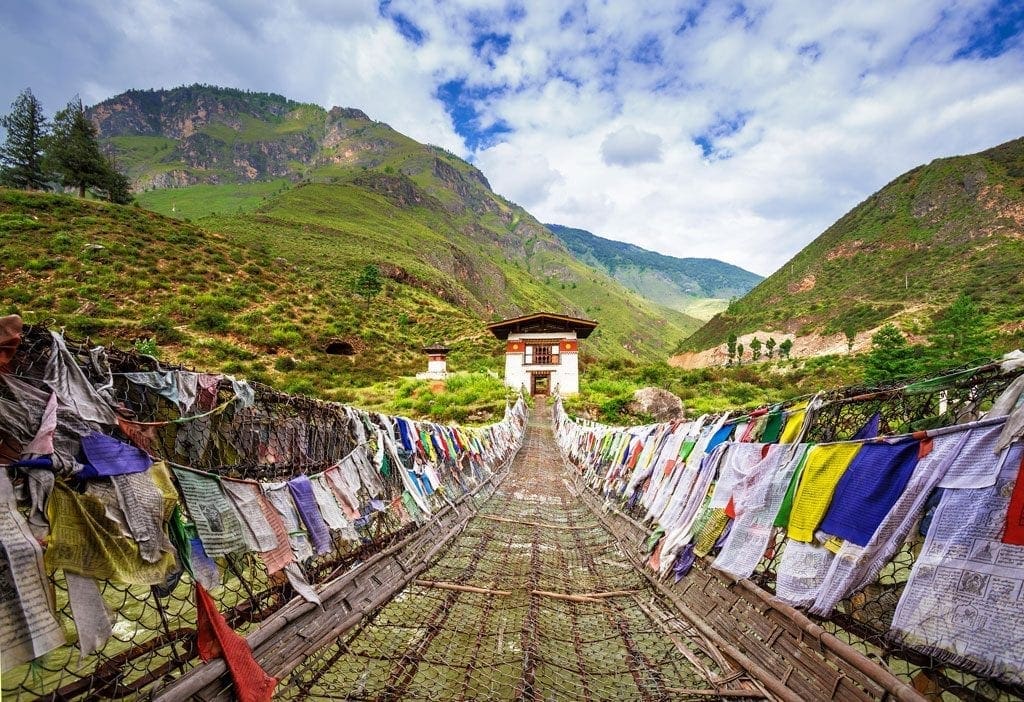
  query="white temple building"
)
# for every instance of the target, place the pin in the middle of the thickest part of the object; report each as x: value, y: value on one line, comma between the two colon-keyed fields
x: 542, y: 352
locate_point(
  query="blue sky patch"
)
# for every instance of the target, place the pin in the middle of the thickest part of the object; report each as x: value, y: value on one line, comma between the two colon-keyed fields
x: 726, y: 126
x: 405, y: 26
x: 491, y: 44
x: 460, y: 102
x: 647, y: 51
x: 810, y: 51
x: 690, y: 18
x: 998, y: 31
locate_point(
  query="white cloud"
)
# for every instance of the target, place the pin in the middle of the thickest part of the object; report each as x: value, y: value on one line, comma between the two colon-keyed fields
x: 803, y: 108
x: 628, y: 146
x: 529, y: 182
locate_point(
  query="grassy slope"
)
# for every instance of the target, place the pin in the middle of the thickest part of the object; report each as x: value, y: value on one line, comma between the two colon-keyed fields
x: 202, y: 200
x: 332, y: 230
x: 260, y: 294
x: 953, y: 226
x: 210, y: 299
x: 396, y: 201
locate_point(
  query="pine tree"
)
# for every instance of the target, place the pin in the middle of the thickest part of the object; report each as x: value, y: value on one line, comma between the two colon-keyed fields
x: 785, y: 347
x: 755, y: 349
x: 739, y: 354
x: 116, y: 187
x: 890, y: 357
x: 73, y: 151
x: 21, y: 156
x: 850, y: 332
x: 769, y: 346
x: 959, y: 336
x: 369, y: 284
x: 730, y: 347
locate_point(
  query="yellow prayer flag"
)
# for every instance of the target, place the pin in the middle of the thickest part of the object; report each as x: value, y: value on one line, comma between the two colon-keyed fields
x: 83, y: 540
x: 824, y: 466
x: 796, y: 420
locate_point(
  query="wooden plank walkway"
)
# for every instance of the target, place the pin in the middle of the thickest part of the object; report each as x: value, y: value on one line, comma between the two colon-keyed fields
x: 533, y: 600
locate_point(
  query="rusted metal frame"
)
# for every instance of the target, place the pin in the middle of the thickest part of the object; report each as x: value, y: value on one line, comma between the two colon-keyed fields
x: 444, y: 585
x: 322, y: 667
x: 577, y: 642
x: 681, y: 646
x: 774, y: 685
x: 692, y: 633
x: 354, y: 618
x: 485, y: 617
x: 934, y: 667
x: 526, y: 690
x: 208, y: 673
x: 409, y: 662
x: 342, y: 647
x: 543, y: 525
x: 896, y: 688
x: 178, y: 661
x: 109, y: 675
x: 619, y: 623
x: 880, y: 675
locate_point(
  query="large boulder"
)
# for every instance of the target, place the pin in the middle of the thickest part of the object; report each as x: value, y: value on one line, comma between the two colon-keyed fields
x: 658, y: 403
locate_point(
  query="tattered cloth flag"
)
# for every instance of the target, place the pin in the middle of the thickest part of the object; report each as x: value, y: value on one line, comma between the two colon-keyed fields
x: 106, y: 457
x: 10, y: 338
x: 214, y: 517
x: 246, y: 498
x: 1013, y: 533
x: 88, y: 545
x: 305, y: 502
x: 825, y: 465
x: 279, y: 496
x: 26, y: 607
x: 801, y: 572
x: 215, y: 638
x: 756, y: 509
x: 147, y: 500
x: 868, y: 490
x: 73, y: 388
x: 330, y: 509
x: 84, y: 540
x: 280, y: 555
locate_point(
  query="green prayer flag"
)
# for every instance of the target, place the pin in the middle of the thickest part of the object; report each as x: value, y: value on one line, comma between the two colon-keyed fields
x: 782, y: 518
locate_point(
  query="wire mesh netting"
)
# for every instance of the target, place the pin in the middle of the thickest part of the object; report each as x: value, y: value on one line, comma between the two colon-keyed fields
x: 277, y: 437
x: 534, y: 600
x: 864, y: 619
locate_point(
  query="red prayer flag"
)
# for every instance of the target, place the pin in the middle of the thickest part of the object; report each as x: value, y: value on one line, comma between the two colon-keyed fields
x: 215, y: 638
x: 1014, y: 532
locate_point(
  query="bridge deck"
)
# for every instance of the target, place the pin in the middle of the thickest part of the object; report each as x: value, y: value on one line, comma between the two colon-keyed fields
x: 533, y: 600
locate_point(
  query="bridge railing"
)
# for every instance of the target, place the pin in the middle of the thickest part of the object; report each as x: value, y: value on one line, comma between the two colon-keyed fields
x: 241, y: 431
x: 863, y: 618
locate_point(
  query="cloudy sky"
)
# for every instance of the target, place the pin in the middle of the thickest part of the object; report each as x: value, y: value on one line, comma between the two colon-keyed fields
x: 733, y: 130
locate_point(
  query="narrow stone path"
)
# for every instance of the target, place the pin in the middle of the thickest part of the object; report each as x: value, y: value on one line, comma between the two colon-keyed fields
x: 534, y: 600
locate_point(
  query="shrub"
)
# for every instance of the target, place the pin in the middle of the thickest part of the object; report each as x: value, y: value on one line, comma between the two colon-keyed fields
x: 210, y: 320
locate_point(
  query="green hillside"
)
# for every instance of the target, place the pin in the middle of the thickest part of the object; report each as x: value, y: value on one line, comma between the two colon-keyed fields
x: 263, y: 294
x: 335, y: 190
x: 699, y: 287
x: 952, y: 227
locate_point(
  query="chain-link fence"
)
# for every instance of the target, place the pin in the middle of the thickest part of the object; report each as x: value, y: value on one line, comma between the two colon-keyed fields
x: 270, y: 437
x: 533, y: 601
x: 863, y: 619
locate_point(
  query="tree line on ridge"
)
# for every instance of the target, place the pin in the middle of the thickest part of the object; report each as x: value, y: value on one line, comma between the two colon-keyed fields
x: 42, y: 155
